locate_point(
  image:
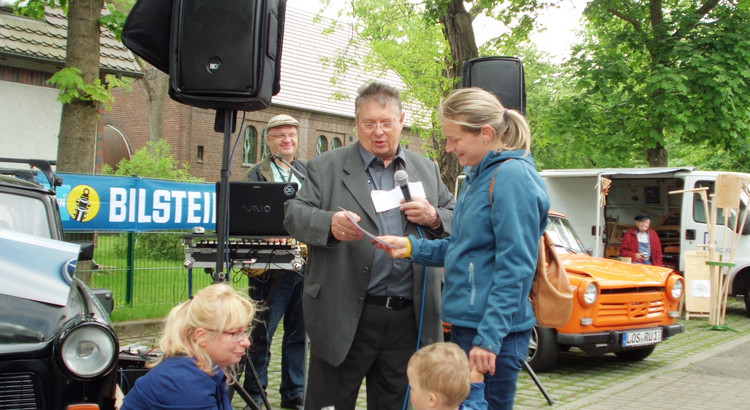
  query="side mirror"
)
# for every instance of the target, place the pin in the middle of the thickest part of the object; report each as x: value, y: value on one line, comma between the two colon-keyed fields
x: 87, y: 250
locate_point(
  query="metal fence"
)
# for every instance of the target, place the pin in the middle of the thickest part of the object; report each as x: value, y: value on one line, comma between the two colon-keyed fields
x: 143, y: 269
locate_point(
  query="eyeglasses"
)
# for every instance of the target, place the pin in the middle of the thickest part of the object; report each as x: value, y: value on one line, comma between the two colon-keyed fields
x: 282, y: 136
x: 235, y: 336
x: 385, y: 126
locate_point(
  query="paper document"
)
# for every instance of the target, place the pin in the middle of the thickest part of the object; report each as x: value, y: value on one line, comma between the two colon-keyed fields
x: 387, y: 200
x: 351, y: 218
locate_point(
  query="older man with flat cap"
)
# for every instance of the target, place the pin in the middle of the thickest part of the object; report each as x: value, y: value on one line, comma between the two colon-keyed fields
x: 641, y: 243
x: 279, y: 291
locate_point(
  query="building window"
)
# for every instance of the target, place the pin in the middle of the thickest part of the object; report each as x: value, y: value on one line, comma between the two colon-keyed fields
x: 336, y: 143
x: 322, y: 144
x: 264, y: 144
x: 200, y: 154
x: 251, y: 142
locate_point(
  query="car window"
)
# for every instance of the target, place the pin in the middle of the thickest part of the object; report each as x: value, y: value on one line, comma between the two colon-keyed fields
x: 563, y: 235
x: 24, y: 214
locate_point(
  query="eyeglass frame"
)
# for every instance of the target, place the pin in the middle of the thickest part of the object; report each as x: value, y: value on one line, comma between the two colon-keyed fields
x: 235, y: 336
x: 283, y: 136
x: 385, y: 125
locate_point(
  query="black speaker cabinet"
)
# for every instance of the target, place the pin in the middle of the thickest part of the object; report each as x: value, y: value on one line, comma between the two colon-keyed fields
x: 502, y: 76
x: 226, y: 54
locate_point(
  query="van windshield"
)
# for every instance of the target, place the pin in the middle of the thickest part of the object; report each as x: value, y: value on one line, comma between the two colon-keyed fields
x: 699, y: 209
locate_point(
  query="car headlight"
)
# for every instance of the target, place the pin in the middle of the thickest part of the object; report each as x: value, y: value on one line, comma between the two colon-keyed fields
x: 675, y: 287
x: 88, y: 350
x: 588, y: 292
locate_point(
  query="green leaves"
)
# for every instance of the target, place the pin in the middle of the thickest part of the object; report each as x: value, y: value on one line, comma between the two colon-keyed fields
x: 73, y: 87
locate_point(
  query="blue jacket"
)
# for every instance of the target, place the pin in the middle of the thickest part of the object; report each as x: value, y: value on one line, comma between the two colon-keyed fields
x: 476, y: 400
x: 491, y: 256
x: 177, y: 383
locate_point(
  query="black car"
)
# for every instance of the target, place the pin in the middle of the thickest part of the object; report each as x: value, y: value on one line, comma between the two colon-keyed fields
x: 58, y: 349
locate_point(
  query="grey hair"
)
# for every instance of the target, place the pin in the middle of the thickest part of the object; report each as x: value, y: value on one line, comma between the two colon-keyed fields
x: 379, y: 92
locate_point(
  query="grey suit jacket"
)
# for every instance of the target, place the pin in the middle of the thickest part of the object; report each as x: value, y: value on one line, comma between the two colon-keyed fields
x: 337, y: 272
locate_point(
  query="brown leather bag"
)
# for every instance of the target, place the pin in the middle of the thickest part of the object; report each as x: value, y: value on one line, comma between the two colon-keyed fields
x: 551, y: 294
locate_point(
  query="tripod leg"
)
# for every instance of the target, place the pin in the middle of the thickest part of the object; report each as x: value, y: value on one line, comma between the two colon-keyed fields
x: 246, y: 397
x: 538, y: 383
x: 246, y: 364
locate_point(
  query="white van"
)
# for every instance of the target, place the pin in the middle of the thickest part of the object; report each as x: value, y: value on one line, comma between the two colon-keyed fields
x: 679, y: 219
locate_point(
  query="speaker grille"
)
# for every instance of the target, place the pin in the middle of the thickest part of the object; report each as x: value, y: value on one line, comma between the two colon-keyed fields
x: 215, y: 48
x: 502, y: 76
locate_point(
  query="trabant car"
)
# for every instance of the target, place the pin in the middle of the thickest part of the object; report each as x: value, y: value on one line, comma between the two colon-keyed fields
x: 619, y: 307
x: 58, y: 349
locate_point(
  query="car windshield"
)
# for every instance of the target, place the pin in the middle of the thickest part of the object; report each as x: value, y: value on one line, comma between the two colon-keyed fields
x: 24, y: 214
x: 564, y: 236
x: 28, y: 321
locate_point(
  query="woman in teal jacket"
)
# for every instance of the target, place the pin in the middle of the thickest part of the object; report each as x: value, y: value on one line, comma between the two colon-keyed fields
x: 491, y: 256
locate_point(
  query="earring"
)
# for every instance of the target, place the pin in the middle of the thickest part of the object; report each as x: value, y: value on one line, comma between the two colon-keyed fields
x: 486, y: 142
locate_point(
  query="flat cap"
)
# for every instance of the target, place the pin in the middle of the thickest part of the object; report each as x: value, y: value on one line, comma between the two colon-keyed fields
x: 280, y: 120
x: 642, y: 217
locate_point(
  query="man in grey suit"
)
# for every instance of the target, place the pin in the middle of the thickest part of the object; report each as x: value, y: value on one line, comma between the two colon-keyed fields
x: 364, y: 312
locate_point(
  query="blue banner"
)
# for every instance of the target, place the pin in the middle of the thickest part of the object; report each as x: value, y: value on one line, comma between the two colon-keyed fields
x: 110, y: 203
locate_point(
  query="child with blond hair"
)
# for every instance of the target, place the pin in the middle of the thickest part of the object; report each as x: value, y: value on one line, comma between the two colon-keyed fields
x: 440, y: 379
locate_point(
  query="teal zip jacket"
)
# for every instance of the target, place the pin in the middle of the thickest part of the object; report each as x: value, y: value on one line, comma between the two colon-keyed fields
x: 491, y: 256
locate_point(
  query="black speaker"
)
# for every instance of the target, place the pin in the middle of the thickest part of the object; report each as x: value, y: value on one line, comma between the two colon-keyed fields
x: 502, y: 76
x: 226, y: 54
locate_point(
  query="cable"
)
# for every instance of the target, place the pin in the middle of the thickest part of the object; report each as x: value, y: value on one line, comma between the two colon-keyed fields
x: 421, y: 319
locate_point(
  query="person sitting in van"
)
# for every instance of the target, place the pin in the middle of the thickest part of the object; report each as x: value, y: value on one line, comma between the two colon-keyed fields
x: 641, y: 243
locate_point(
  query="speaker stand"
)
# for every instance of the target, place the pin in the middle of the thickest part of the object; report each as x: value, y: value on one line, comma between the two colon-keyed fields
x: 538, y: 383
x: 224, y: 121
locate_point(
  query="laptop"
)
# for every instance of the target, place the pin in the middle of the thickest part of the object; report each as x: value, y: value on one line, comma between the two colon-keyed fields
x: 257, y: 208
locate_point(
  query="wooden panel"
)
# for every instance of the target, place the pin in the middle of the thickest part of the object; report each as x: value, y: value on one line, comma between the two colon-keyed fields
x: 697, y: 284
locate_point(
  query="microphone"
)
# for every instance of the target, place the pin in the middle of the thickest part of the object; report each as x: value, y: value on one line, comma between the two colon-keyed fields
x: 291, y: 168
x: 402, y: 179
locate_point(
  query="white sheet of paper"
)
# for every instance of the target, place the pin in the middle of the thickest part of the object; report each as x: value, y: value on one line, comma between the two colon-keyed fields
x: 387, y: 200
x: 351, y: 218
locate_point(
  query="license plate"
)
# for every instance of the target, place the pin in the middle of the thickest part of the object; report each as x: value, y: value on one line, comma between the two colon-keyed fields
x: 641, y: 337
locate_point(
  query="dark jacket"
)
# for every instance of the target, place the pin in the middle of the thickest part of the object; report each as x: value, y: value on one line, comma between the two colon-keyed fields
x: 262, y: 172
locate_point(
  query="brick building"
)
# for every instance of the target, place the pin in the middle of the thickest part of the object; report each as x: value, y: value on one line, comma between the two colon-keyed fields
x: 31, y: 50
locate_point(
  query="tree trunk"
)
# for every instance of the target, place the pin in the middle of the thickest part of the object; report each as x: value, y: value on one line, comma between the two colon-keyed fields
x: 155, y: 85
x: 657, y: 156
x: 459, y: 32
x: 78, y: 127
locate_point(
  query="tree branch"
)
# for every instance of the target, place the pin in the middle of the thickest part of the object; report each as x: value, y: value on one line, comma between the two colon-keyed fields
x: 632, y: 20
x: 699, y: 14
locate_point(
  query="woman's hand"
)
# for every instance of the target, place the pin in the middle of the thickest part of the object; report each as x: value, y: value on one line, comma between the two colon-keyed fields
x: 482, y: 360
x: 400, y: 243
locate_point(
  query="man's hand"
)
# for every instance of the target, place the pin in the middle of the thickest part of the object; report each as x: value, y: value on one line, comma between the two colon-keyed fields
x: 343, y: 229
x: 421, y: 212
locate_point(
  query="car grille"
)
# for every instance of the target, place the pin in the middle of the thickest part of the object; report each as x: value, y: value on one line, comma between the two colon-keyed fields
x: 642, y: 310
x: 18, y: 391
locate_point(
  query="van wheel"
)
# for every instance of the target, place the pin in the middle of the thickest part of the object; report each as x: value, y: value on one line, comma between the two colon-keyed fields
x: 543, y: 349
x: 747, y: 299
x: 635, y: 355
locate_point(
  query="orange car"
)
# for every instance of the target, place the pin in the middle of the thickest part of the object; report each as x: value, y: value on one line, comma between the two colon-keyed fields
x: 620, y: 308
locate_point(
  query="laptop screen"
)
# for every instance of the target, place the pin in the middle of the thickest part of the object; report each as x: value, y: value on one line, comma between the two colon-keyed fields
x: 257, y: 208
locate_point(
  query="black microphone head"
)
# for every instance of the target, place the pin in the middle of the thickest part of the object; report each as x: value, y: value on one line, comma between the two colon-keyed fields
x: 401, y: 177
